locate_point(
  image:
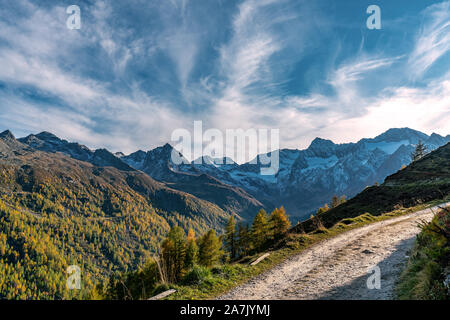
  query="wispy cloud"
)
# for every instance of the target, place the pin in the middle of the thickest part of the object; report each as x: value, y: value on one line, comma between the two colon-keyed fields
x: 345, y: 81
x: 433, y: 39
x: 426, y: 109
x: 78, y: 107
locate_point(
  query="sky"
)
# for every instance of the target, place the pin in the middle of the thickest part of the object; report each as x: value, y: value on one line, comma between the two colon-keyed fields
x: 137, y: 70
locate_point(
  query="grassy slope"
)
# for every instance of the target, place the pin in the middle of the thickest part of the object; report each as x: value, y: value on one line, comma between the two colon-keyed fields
x: 429, y: 263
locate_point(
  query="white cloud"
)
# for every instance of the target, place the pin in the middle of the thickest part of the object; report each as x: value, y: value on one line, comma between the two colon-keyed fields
x: 182, y: 47
x: 30, y: 71
x: 345, y: 81
x: 244, y: 62
x: 124, y: 124
x: 425, y: 109
x: 433, y: 39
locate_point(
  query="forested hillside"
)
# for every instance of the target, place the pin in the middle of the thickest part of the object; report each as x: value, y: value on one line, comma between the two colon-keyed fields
x: 56, y: 211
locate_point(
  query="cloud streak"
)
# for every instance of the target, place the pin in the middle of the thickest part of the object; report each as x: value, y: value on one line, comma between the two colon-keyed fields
x: 136, y: 72
x: 433, y: 40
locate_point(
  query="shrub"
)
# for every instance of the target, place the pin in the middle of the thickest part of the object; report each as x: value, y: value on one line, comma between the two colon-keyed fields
x: 197, y: 275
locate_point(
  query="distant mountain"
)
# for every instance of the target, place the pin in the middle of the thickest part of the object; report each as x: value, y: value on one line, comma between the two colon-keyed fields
x: 422, y: 181
x: 196, y: 180
x: 7, y: 136
x: 46, y: 141
x: 157, y: 163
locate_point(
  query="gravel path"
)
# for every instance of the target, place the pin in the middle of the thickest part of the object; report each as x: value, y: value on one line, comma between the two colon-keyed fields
x: 338, y: 268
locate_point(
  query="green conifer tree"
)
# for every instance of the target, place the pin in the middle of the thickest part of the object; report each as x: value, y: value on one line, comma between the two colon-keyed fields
x: 244, y: 242
x: 209, y: 249
x: 260, y: 230
x: 192, y: 250
x: 174, y: 254
x: 419, y: 152
x: 334, y: 201
x: 279, y: 222
x: 230, y: 237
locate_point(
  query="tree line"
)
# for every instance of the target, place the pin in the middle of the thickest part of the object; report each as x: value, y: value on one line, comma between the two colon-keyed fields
x: 181, y: 254
x: 335, y: 201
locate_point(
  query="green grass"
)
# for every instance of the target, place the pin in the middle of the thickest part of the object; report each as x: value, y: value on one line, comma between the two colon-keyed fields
x: 224, y: 278
x: 428, y: 266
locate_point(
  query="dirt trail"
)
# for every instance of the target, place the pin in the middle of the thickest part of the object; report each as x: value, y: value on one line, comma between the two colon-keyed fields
x: 338, y: 268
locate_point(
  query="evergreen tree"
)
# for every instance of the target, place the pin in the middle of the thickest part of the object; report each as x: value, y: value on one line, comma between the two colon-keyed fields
x: 174, y: 254
x: 419, y: 152
x: 244, y: 242
x: 334, y: 201
x: 97, y: 292
x: 260, y: 230
x: 192, y: 250
x: 209, y: 249
x: 323, y: 209
x: 317, y: 221
x: 230, y: 237
x: 138, y: 284
x: 279, y: 222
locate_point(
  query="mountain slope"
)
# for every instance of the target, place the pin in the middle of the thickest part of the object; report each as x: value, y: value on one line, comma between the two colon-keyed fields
x: 29, y: 170
x: 231, y: 199
x: 56, y: 211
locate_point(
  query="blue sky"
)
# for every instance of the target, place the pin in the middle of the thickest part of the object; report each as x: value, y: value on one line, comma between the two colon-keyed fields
x: 137, y: 70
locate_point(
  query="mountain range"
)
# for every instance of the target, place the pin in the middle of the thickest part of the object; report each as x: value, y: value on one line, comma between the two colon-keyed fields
x: 306, y: 179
